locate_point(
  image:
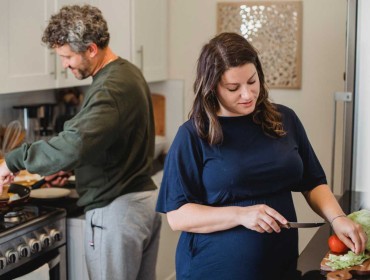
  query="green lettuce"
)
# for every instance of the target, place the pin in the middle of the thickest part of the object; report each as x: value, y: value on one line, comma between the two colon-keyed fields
x: 343, y: 261
x: 362, y: 217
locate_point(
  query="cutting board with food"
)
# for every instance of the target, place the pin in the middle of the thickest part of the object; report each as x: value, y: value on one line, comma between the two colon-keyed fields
x: 345, y: 273
x: 340, y: 263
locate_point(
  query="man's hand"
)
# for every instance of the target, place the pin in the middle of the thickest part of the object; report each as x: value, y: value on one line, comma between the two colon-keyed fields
x: 6, y: 176
x: 58, y: 179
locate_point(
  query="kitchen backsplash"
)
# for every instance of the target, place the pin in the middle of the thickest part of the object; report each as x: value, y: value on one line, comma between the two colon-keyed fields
x: 7, y: 101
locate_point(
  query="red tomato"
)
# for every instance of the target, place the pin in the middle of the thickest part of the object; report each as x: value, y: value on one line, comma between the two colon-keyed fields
x: 336, y: 245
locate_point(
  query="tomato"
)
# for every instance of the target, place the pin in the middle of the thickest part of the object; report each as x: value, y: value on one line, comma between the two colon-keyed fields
x: 336, y: 245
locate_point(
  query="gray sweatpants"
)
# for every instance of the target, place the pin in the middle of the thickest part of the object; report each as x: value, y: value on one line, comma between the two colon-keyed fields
x: 122, y: 239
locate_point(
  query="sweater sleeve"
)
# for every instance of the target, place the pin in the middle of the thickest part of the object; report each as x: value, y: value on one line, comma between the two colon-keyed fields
x: 82, y: 140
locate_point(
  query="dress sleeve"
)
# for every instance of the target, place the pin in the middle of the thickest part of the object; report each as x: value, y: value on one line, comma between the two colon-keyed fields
x: 313, y: 173
x: 182, y: 176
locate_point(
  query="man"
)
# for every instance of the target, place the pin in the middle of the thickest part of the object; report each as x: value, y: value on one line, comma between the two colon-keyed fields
x: 109, y: 144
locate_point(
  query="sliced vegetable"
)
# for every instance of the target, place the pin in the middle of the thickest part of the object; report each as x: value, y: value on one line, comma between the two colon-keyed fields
x: 343, y: 261
x: 362, y: 217
x: 336, y: 245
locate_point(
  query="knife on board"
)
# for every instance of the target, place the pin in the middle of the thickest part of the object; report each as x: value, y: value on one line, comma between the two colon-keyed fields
x: 301, y: 225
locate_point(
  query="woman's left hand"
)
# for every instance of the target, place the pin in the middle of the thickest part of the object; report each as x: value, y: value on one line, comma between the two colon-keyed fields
x: 351, y: 234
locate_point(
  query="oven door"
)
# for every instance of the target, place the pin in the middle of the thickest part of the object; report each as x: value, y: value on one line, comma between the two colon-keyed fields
x: 54, y: 259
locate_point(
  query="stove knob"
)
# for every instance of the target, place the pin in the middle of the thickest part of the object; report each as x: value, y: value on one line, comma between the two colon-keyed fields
x: 2, y: 263
x: 45, y: 240
x: 11, y: 256
x: 55, y: 235
x: 24, y: 250
x: 35, y: 245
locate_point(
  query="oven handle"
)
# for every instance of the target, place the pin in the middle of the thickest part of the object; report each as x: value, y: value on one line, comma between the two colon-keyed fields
x: 54, y: 262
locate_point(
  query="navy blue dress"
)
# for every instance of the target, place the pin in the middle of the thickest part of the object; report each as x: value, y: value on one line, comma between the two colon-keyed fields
x: 248, y: 168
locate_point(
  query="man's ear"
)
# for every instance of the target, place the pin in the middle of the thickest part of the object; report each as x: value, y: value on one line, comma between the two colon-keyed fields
x: 92, y: 50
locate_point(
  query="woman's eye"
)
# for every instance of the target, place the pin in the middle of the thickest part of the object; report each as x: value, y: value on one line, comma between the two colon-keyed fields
x: 233, y: 89
x: 251, y: 82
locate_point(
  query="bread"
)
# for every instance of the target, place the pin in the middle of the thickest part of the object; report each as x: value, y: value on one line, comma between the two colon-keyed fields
x: 5, y: 195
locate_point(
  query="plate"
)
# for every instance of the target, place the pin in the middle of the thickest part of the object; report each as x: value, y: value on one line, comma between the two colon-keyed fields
x: 47, y: 193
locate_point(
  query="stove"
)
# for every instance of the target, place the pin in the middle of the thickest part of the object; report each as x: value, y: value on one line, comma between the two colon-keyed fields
x: 31, y: 236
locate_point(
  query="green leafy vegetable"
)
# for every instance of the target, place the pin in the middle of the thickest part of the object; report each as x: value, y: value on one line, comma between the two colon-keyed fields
x: 362, y: 217
x: 346, y: 260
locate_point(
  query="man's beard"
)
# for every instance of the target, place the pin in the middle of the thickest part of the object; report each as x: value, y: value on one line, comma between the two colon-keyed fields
x: 83, y: 71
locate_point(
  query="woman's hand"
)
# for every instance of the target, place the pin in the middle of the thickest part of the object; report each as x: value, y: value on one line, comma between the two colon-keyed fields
x: 261, y: 218
x: 58, y: 179
x: 351, y: 234
x: 199, y: 218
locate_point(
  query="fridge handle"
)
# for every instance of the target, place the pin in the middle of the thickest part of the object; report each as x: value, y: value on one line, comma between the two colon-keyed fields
x: 345, y: 97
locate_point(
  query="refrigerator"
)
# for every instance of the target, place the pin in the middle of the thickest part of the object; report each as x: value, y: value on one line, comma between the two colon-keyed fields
x: 355, y: 169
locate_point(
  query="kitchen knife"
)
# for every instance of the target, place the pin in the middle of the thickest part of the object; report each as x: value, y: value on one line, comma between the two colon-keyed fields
x: 301, y: 225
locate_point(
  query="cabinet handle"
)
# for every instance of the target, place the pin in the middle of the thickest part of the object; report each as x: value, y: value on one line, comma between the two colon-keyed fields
x: 141, y: 52
x: 65, y: 73
x: 55, y: 65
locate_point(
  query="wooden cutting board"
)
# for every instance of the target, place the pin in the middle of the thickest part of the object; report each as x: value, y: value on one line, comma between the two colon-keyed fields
x: 347, y: 273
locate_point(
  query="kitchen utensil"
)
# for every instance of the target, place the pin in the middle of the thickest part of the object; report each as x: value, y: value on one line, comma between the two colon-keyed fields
x: 23, y: 193
x: 13, y: 136
x: 346, y: 273
x: 301, y: 225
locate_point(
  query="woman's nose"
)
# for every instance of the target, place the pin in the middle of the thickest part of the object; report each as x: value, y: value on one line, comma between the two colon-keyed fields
x: 245, y: 92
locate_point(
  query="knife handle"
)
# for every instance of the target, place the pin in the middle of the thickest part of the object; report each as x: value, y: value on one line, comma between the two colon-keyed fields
x: 287, y: 225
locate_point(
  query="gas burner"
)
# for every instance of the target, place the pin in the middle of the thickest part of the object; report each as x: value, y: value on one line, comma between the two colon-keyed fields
x: 15, y: 216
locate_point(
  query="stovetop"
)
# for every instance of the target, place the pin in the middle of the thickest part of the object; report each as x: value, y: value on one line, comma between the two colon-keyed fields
x: 25, y: 215
x: 29, y: 233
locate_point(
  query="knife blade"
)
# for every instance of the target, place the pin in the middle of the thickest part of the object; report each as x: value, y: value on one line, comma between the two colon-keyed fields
x: 301, y: 225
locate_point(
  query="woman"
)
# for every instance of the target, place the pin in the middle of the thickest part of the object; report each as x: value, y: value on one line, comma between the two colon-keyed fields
x: 230, y: 171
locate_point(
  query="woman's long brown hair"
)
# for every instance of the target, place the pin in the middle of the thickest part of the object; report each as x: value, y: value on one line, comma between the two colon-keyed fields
x: 223, y: 52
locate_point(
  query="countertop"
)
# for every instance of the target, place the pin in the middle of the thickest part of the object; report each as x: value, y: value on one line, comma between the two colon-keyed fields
x: 310, y: 258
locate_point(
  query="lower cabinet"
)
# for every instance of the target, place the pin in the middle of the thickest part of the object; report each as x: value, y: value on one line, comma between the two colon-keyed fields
x: 76, y: 263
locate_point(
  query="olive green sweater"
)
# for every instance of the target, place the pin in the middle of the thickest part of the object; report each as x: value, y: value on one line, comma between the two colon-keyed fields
x: 109, y: 143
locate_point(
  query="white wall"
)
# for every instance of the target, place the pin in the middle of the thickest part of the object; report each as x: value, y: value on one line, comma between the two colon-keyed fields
x: 193, y: 23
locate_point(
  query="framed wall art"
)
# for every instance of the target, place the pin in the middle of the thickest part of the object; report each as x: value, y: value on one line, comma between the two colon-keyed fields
x: 275, y: 29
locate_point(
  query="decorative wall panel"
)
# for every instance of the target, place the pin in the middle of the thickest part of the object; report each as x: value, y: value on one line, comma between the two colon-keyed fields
x: 275, y: 29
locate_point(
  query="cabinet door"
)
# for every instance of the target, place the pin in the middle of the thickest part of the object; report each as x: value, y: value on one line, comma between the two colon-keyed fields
x: 149, y: 38
x: 25, y: 63
x: 117, y: 13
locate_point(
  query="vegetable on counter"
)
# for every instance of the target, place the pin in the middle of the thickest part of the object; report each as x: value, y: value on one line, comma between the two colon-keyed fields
x: 343, y: 261
x: 362, y: 218
x: 337, y: 261
x: 336, y: 245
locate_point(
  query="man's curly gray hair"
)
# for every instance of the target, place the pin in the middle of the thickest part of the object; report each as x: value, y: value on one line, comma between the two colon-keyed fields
x: 78, y: 26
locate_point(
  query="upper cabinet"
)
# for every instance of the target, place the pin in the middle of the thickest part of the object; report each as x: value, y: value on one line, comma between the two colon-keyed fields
x: 26, y: 63
x: 138, y: 31
x: 149, y: 40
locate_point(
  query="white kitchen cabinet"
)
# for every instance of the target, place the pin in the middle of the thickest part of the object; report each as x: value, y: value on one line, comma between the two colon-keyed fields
x: 138, y: 31
x: 75, y: 249
x: 26, y: 64
x: 149, y: 40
